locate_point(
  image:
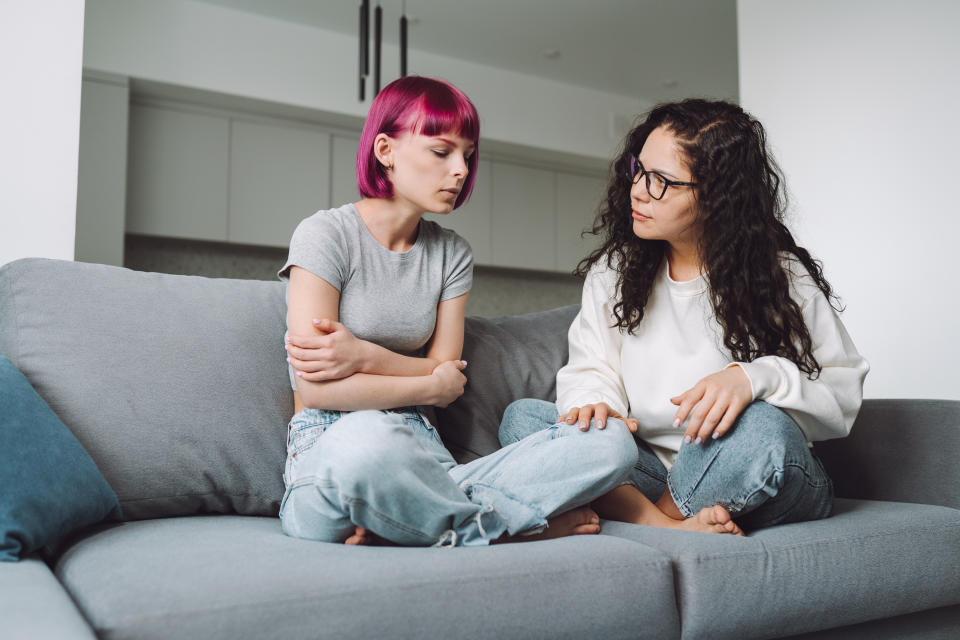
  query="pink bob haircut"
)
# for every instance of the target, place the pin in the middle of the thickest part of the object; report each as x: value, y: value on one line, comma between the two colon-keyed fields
x: 419, y: 105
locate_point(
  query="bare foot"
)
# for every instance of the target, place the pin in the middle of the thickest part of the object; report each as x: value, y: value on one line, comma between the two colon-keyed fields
x: 576, y: 522
x: 714, y: 519
x: 363, y: 536
x: 627, y: 504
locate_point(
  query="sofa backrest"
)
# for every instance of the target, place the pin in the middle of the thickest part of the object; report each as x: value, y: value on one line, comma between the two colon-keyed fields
x: 177, y: 385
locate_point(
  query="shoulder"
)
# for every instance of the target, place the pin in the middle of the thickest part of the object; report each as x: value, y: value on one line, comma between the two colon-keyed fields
x: 601, y: 280
x: 449, y: 241
x: 327, y: 221
x: 803, y: 287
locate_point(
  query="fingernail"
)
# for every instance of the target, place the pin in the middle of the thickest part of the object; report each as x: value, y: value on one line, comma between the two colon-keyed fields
x: 596, y: 423
x: 716, y: 434
x: 288, y: 359
x: 698, y: 440
x: 287, y: 346
x: 687, y: 439
x: 316, y: 321
x: 300, y: 373
x: 676, y: 423
x: 464, y: 362
x: 583, y: 426
x: 570, y: 420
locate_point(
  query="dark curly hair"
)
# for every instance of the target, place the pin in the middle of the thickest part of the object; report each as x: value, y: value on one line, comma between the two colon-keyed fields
x: 739, y: 207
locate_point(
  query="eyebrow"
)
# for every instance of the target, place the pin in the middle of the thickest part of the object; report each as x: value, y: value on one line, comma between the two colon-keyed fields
x: 470, y: 146
x: 665, y: 174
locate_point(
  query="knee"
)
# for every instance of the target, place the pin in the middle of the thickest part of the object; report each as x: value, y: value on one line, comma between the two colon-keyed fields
x: 524, y: 417
x: 617, y: 444
x: 612, y: 448
x: 769, y: 428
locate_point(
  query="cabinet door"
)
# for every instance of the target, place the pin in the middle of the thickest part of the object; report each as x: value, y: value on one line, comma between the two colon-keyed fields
x: 177, y: 181
x: 102, y: 173
x: 578, y: 198
x: 524, y: 217
x: 343, y: 186
x: 279, y: 175
x: 473, y: 220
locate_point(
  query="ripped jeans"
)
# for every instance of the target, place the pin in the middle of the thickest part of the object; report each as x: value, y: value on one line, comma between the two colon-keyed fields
x: 388, y: 471
x: 762, y: 470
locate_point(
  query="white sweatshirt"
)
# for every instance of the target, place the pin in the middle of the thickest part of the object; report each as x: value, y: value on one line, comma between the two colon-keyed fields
x: 679, y: 342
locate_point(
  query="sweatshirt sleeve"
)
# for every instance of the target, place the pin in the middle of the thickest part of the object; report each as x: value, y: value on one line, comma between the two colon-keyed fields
x: 593, y: 374
x: 825, y: 407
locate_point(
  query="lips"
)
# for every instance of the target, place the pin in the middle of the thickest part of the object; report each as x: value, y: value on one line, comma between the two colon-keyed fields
x: 639, y: 216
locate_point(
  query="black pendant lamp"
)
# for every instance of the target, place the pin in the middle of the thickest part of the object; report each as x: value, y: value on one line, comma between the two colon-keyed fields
x: 363, y: 62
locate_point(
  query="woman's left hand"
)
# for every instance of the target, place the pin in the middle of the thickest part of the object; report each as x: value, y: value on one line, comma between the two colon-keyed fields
x: 713, y: 404
x: 332, y: 355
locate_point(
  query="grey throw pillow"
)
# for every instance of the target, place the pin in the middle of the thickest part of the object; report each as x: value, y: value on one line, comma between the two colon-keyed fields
x: 508, y: 358
x: 176, y: 385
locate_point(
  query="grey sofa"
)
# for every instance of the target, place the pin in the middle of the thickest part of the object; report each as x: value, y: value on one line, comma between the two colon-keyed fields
x: 176, y: 386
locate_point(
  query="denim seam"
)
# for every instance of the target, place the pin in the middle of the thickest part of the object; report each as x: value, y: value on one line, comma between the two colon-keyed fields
x: 781, y: 471
x: 353, y: 501
x: 682, y: 503
x: 536, y: 511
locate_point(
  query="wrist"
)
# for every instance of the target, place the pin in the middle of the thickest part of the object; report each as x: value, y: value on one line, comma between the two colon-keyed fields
x: 367, y: 360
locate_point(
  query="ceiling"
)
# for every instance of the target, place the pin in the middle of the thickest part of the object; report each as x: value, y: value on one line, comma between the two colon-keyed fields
x: 648, y: 49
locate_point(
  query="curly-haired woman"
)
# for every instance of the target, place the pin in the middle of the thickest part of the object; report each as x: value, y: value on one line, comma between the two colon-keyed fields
x: 708, y: 330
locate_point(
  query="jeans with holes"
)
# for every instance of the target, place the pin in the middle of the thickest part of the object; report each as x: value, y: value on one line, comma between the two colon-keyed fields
x: 762, y: 470
x: 387, y: 471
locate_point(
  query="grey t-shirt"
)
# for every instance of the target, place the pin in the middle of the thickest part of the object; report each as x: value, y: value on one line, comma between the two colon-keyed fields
x: 386, y: 297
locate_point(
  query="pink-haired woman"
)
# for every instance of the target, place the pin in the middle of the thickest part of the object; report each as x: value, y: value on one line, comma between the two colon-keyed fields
x: 376, y: 302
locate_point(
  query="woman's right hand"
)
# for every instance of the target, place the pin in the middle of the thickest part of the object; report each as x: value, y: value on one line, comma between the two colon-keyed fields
x: 448, y: 381
x: 599, y: 412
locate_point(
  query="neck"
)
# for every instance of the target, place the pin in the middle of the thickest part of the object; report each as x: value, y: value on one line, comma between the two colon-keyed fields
x: 394, y: 224
x: 683, y: 262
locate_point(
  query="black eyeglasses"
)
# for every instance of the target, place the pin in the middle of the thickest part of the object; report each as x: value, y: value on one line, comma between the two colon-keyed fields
x: 656, y: 183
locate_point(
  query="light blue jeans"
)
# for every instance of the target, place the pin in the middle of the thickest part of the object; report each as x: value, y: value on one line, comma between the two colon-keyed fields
x: 762, y: 470
x: 387, y: 471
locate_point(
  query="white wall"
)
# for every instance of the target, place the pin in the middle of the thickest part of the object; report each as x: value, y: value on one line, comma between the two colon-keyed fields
x: 41, y: 45
x: 861, y: 101
x: 211, y: 47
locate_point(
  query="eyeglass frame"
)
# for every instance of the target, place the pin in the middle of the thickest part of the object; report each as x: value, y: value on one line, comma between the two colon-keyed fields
x: 667, y: 182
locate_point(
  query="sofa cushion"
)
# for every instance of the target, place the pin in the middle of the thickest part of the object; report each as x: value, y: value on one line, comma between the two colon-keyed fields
x: 35, y: 605
x: 508, y: 358
x: 869, y: 560
x: 236, y: 577
x: 175, y: 385
x: 49, y: 486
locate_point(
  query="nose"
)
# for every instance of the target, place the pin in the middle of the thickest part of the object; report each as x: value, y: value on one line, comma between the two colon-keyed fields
x: 639, y: 191
x: 460, y: 167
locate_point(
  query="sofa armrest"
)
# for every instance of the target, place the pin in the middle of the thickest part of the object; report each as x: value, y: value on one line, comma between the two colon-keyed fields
x: 900, y: 451
x: 33, y: 604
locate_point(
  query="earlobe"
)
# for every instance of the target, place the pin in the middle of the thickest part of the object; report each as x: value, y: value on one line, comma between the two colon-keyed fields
x: 383, y: 150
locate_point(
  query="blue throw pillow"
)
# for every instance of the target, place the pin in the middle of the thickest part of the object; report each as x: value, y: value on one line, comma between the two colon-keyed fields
x: 49, y: 485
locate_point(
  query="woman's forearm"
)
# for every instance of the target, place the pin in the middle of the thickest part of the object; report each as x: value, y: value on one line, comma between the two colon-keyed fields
x: 384, y: 362
x: 367, y: 391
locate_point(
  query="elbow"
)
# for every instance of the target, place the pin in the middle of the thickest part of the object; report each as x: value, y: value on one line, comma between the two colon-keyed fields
x: 313, y: 395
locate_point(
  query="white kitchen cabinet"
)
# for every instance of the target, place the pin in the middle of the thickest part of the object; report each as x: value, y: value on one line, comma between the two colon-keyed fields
x: 578, y: 197
x: 343, y: 180
x: 524, y: 217
x: 177, y: 174
x: 102, y: 171
x: 279, y: 175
